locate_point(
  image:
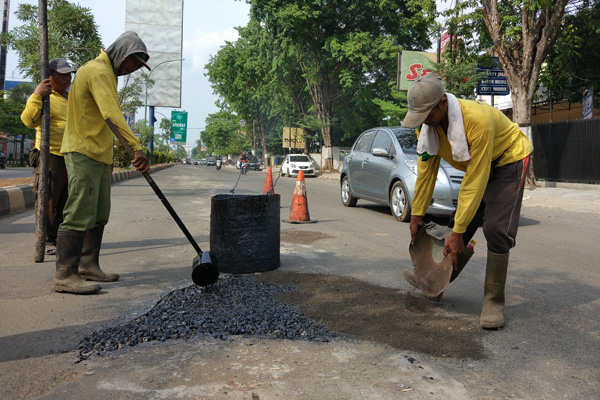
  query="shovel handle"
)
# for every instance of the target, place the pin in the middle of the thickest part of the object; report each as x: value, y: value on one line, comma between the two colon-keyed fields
x: 154, y: 186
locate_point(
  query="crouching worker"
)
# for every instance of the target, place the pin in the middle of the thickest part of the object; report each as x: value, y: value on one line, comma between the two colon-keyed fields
x: 493, y: 152
x: 88, y: 150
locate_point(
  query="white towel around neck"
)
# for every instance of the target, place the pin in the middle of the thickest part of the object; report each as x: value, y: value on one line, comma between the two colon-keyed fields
x: 429, y: 141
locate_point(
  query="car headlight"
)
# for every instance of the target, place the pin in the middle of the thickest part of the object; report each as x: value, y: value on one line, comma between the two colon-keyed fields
x: 412, y: 165
x: 293, y: 165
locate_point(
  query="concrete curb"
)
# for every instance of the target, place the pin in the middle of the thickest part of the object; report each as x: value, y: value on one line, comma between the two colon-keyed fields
x: 14, y: 199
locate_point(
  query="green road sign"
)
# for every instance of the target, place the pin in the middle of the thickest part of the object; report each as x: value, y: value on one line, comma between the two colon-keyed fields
x: 178, y: 127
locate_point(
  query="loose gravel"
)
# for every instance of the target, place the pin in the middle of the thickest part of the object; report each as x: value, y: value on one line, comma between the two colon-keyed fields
x: 234, y: 305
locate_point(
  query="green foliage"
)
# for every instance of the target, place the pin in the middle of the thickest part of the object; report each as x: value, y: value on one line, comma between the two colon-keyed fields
x: 223, y: 134
x: 572, y: 64
x: 131, y: 94
x: 10, y: 119
x: 20, y: 93
x: 144, y: 131
x: 298, y: 60
x: 72, y: 34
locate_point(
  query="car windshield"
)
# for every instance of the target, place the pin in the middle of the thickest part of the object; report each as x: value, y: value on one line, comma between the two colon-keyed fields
x: 299, y: 158
x: 407, y: 138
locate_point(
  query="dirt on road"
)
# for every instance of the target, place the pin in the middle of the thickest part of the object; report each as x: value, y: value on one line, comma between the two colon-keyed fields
x: 384, y: 333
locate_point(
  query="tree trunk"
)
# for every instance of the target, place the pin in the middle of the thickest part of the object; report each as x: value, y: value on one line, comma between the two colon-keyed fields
x: 522, y: 56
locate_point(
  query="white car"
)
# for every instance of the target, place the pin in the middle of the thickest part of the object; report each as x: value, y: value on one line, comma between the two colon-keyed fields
x: 293, y: 163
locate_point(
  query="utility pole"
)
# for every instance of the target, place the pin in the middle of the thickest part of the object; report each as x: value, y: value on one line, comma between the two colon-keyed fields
x: 5, y: 14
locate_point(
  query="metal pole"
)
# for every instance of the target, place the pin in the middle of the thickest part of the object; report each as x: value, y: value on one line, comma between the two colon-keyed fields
x: 152, y: 137
x: 152, y: 107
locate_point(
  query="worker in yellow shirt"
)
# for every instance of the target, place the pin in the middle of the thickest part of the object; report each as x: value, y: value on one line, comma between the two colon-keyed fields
x: 493, y: 152
x: 56, y: 87
x: 88, y: 150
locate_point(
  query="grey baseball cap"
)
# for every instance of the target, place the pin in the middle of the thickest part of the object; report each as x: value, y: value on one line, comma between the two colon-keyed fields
x: 60, y: 65
x: 423, y: 95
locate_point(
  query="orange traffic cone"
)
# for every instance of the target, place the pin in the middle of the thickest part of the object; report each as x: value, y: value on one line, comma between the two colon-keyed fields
x: 299, y: 209
x: 269, y: 189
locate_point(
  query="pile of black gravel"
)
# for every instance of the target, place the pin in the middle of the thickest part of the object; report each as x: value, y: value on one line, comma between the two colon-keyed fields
x: 232, y: 306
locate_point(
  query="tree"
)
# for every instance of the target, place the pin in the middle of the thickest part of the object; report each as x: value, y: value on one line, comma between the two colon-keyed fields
x: 571, y: 66
x: 222, y: 134
x: 522, y: 34
x: 72, y: 34
x: 341, y: 47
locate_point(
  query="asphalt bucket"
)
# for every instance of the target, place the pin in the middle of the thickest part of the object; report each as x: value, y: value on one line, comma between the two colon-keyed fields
x: 244, y: 232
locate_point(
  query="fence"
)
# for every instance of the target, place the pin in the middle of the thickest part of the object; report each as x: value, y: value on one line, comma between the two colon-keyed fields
x: 567, y: 151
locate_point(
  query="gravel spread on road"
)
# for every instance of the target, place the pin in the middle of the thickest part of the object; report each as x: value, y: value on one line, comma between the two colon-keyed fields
x: 233, y: 306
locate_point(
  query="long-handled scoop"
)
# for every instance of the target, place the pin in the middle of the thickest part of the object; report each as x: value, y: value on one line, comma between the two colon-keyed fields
x: 204, y: 268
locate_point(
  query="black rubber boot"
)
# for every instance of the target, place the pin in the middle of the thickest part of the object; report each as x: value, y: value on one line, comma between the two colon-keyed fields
x: 493, y: 298
x: 89, y: 267
x: 68, y: 251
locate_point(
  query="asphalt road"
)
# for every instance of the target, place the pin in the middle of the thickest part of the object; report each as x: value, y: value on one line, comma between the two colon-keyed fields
x: 548, y: 349
x: 16, y: 172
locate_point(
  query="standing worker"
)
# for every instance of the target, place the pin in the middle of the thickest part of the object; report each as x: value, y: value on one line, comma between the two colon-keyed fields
x: 56, y: 86
x: 493, y: 152
x: 88, y: 150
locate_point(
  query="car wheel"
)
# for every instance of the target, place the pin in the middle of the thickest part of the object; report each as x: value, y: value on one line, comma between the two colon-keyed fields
x: 347, y: 199
x: 281, y: 173
x: 289, y: 174
x: 399, y: 202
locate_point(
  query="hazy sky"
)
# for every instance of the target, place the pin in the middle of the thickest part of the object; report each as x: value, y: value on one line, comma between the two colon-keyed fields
x: 207, y: 24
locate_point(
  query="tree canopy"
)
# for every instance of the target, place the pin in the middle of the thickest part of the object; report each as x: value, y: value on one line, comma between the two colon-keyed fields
x: 72, y: 34
x: 298, y: 60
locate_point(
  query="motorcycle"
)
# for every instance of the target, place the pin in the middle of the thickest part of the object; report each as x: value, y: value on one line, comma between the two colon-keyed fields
x: 218, y: 164
x: 244, y: 167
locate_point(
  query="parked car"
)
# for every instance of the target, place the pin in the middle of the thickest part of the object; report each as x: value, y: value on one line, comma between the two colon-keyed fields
x: 382, y: 168
x: 293, y: 163
x: 211, y: 161
x: 203, y: 161
x: 2, y: 160
x: 254, y: 163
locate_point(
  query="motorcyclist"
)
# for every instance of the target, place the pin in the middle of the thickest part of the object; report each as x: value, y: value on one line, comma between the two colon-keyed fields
x: 218, y: 163
x: 244, y: 162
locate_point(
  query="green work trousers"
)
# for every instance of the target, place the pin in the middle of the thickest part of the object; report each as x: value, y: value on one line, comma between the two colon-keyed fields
x: 88, y: 204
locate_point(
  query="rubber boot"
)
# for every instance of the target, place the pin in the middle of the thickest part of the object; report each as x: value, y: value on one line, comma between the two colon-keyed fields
x: 463, y: 259
x: 493, y: 297
x: 89, y: 267
x: 68, y: 251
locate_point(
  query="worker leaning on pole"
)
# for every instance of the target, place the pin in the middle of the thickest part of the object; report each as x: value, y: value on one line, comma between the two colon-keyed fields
x: 493, y: 152
x: 88, y: 150
x: 56, y: 87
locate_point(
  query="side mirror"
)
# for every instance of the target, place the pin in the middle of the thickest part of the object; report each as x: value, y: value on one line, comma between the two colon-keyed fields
x: 380, y: 152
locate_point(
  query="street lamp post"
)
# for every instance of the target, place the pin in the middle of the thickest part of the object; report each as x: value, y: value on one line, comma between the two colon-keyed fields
x: 152, y: 107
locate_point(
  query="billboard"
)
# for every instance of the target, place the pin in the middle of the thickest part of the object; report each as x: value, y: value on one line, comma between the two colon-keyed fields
x: 414, y: 65
x: 160, y: 25
x: 293, y: 138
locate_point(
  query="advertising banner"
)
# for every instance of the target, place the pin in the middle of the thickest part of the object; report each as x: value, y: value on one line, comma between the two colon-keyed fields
x: 414, y: 65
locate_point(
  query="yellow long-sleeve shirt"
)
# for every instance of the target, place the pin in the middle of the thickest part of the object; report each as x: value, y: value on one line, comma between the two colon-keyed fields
x: 93, y: 98
x: 32, y: 118
x: 490, y: 136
